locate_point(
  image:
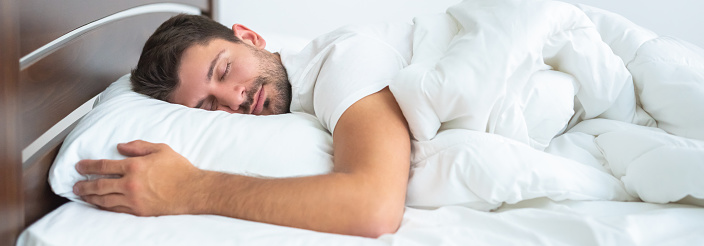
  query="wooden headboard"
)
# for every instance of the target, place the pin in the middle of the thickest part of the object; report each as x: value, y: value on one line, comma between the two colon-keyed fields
x: 55, y: 56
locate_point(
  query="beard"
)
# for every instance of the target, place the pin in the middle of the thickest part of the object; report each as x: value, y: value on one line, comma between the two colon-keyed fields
x: 273, y: 72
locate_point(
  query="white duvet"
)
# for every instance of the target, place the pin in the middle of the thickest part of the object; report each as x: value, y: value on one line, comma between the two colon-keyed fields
x: 618, y: 110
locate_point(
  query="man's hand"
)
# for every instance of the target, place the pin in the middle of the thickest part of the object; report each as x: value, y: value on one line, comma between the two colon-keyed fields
x: 154, y: 180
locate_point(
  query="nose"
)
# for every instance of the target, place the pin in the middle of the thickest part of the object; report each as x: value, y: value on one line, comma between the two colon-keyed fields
x: 232, y: 100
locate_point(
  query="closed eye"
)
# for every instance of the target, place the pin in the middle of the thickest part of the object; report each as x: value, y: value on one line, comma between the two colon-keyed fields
x: 227, y: 70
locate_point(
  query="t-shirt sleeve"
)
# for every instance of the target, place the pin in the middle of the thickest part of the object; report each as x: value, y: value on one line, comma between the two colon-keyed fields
x: 353, y: 69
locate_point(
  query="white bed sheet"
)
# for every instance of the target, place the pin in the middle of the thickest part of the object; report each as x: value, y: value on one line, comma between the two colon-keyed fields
x: 532, y: 222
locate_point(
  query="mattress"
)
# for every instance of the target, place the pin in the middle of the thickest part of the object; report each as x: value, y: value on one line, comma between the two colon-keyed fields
x: 532, y: 222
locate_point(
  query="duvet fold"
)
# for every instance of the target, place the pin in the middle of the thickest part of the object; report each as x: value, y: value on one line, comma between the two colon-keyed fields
x: 509, y: 100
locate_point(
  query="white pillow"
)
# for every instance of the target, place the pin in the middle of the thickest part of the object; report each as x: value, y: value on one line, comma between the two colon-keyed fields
x: 274, y: 146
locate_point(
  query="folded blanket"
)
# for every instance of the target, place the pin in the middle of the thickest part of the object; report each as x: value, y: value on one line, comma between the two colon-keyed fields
x: 530, y: 70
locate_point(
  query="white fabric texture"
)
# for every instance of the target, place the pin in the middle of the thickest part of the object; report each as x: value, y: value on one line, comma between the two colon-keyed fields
x: 478, y: 80
x: 482, y: 171
x: 337, y: 69
x: 655, y: 166
x: 534, y: 222
x: 274, y: 146
x: 531, y: 71
x: 669, y: 78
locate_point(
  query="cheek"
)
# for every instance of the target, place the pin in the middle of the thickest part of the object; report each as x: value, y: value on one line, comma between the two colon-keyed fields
x: 247, y: 73
x: 248, y: 67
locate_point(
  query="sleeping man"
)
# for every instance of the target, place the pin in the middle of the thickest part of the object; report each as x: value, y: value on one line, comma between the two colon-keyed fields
x: 523, y: 71
x: 342, y: 80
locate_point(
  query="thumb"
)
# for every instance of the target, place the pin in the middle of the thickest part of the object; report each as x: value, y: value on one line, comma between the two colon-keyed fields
x: 137, y: 148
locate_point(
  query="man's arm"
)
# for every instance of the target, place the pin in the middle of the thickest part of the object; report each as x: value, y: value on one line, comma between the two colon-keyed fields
x: 364, y: 195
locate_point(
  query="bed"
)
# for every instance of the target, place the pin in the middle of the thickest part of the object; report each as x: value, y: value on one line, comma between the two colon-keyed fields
x: 55, y: 72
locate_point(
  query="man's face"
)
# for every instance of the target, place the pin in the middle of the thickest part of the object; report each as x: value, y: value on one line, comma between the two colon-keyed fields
x: 236, y: 78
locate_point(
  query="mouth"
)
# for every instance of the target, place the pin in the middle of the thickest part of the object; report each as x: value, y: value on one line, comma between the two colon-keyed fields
x: 258, y: 99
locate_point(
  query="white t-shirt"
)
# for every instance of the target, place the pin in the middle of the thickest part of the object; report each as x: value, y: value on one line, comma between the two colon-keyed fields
x: 338, y: 69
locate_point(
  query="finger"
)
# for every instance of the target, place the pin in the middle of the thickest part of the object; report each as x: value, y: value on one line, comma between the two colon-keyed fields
x: 137, y: 148
x: 103, y: 167
x: 107, y: 202
x: 97, y: 187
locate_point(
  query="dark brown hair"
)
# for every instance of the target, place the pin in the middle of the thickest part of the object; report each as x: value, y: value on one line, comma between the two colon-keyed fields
x: 156, y: 74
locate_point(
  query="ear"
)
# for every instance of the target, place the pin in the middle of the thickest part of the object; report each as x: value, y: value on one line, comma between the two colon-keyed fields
x: 248, y: 36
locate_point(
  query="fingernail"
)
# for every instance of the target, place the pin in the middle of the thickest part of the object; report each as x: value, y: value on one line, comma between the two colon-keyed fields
x: 76, y: 190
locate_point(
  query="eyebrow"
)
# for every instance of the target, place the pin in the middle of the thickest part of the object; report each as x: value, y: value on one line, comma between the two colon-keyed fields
x: 210, y: 75
x: 212, y: 65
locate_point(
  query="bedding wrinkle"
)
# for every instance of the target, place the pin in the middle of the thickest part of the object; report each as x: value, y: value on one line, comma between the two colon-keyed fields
x: 486, y: 77
x: 531, y: 73
x: 496, y: 170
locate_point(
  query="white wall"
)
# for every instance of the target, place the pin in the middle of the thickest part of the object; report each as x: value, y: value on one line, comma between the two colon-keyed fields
x: 309, y: 18
x: 683, y: 19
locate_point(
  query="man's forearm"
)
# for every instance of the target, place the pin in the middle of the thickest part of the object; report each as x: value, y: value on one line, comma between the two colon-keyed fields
x: 336, y: 202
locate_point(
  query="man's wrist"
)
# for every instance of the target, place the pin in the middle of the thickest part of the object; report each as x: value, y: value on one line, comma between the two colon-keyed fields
x: 200, y: 192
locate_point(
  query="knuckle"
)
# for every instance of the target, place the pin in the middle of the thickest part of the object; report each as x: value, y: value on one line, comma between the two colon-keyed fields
x: 137, y: 142
x: 163, y: 146
x: 132, y: 186
x: 100, y: 184
x: 102, y: 165
x: 132, y: 165
x: 128, y: 166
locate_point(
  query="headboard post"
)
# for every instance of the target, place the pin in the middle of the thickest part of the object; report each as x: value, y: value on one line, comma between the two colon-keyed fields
x: 11, y: 195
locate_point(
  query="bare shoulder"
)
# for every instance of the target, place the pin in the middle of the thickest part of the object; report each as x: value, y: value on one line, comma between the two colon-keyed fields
x: 371, y: 130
